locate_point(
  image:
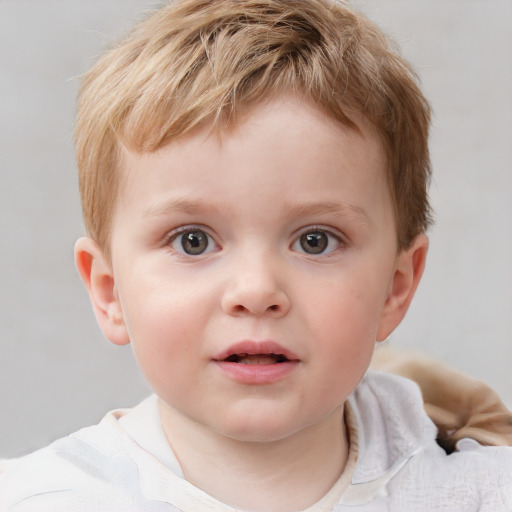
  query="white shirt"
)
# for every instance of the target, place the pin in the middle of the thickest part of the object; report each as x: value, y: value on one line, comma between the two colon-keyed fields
x: 125, y: 464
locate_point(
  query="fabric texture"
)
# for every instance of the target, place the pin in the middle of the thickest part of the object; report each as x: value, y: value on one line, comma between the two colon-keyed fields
x: 125, y: 464
x: 460, y: 406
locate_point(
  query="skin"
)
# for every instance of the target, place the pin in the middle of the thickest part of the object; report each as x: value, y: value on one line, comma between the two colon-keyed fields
x: 253, y: 193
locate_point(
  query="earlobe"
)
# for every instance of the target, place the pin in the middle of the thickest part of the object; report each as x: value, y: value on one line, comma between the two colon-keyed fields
x: 408, y: 271
x: 96, y: 273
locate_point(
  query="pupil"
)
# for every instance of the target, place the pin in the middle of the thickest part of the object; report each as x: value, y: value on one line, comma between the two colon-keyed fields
x: 314, y: 243
x: 194, y: 242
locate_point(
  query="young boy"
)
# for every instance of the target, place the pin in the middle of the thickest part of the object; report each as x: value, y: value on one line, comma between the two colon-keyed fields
x: 254, y: 185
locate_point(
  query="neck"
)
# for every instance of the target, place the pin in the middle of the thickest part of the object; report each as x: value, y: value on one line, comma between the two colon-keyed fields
x: 285, y: 475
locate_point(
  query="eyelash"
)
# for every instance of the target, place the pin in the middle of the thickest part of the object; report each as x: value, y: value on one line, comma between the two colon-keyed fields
x: 339, y: 240
x: 297, y: 245
x: 175, y: 235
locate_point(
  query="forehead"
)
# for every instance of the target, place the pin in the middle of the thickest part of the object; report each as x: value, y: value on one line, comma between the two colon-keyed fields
x: 287, y: 146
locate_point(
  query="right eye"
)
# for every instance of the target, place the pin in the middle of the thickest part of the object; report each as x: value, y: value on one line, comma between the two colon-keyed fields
x: 193, y: 242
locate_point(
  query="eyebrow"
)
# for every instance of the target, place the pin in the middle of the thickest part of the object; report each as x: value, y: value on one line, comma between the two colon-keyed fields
x: 179, y: 204
x: 327, y: 208
x: 292, y: 210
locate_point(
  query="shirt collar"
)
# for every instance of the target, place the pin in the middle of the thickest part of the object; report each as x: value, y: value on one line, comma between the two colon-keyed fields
x: 392, y: 428
x: 144, y: 426
x: 386, y: 421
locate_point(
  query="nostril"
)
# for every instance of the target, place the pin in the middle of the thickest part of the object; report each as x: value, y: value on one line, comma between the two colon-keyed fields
x: 255, y: 304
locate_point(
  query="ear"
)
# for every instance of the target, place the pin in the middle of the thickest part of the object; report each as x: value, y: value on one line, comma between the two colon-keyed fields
x: 409, y: 268
x: 96, y: 273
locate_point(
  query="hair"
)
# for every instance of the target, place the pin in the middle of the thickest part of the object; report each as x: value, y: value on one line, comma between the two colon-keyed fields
x: 198, y: 61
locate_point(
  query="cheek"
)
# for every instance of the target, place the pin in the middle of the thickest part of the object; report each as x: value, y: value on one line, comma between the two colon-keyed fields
x: 347, y: 345
x: 162, y: 307
x: 346, y: 321
x: 164, y: 328
x: 350, y: 308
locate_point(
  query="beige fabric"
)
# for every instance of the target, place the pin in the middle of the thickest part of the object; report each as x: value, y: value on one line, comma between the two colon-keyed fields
x: 459, y: 405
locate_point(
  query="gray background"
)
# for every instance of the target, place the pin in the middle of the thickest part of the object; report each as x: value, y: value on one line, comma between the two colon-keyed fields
x: 57, y: 372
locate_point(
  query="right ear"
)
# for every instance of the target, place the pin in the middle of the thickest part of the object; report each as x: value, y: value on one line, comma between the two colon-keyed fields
x: 96, y: 273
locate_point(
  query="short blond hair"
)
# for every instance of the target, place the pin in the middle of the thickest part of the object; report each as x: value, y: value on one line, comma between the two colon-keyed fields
x: 197, y: 61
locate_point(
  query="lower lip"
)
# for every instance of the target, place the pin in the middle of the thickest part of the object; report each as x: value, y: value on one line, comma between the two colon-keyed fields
x: 257, y: 373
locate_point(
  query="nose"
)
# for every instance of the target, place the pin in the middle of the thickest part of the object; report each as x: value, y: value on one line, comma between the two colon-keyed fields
x: 255, y: 287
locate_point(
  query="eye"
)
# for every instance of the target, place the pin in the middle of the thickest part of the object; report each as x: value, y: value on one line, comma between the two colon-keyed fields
x: 317, y: 241
x: 193, y: 242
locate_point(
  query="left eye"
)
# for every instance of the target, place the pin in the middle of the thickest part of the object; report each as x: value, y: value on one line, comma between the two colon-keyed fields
x: 193, y: 242
x: 317, y: 241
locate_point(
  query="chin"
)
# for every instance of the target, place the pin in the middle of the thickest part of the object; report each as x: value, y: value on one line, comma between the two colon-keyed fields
x: 261, y: 428
x: 253, y: 434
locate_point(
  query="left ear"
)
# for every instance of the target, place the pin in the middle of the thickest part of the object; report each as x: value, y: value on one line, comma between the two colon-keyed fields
x: 409, y: 267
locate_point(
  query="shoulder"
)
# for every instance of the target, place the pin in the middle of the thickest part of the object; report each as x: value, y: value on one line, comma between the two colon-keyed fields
x: 91, y: 467
x: 391, y: 416
x: 396, y: 432
x: 474, y: 478
x: 51, y: 478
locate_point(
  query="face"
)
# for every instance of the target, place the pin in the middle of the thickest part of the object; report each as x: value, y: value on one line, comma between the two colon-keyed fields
x: 253, y: 269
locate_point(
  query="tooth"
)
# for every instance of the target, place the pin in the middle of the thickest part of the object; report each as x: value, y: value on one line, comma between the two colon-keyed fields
x: 257, y: 359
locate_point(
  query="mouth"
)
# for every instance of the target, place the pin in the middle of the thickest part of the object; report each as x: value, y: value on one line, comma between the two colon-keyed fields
x: 257, y: 363
x: 245, y: 358
x: 256, y: 353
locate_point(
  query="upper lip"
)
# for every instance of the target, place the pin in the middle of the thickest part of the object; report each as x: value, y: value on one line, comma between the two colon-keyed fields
x: 249, y: 347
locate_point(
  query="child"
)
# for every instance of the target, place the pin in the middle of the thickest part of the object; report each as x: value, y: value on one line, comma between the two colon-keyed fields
x: 254, y: 185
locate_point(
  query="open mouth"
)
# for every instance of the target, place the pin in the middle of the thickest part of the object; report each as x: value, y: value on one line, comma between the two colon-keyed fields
x: 244, y: 358
x: 257, y: 362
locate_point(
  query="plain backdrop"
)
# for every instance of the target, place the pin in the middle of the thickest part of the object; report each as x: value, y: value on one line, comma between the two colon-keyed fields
x: 58, y: 373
